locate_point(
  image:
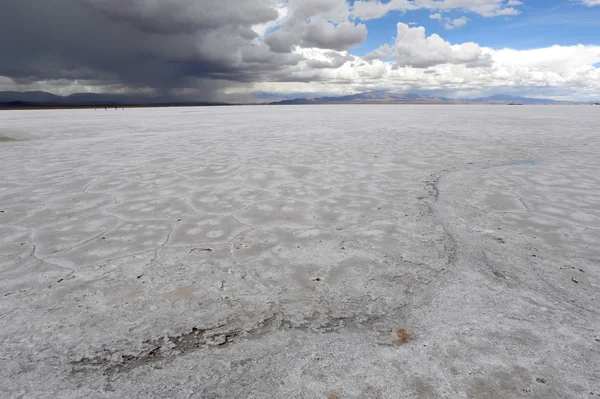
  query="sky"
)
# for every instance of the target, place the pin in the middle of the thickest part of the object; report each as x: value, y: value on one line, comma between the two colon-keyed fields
x: 241, y: 50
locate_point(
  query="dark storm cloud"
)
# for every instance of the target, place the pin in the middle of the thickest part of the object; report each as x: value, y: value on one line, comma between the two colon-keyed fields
x: 154, y: 44
x: 184, y: 16
x: 318, y: 33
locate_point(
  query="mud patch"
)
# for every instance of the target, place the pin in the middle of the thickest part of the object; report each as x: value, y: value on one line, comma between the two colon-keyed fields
x: 167, y: 348
x: 160, y: 350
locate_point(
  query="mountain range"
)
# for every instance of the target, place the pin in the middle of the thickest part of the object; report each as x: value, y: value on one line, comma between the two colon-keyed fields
x: 41, y: 99
x: 386, y: 97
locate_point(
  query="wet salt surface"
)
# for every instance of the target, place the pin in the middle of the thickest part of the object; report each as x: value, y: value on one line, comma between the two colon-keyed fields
x: 278, y: 251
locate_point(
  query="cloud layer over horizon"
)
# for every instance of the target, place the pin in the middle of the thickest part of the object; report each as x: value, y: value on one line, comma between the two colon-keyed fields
x: 233, y: 49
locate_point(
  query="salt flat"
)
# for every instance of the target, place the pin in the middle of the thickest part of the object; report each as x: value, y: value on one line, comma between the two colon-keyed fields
x: 287, y: 252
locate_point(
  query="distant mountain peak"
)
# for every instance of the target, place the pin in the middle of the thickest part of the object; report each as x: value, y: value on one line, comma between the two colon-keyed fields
x: 374, y: 97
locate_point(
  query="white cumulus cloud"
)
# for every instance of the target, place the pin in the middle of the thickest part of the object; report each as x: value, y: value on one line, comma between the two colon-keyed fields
x: 456, y: 22
x: 413, y: 48
x: 371, y: 9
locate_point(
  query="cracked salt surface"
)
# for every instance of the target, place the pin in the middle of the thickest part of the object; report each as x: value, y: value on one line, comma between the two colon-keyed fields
x: 364, y: 251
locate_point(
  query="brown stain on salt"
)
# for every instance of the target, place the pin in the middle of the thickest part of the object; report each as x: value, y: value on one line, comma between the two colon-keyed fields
x: 183, y: 292
x: 403, y: 336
